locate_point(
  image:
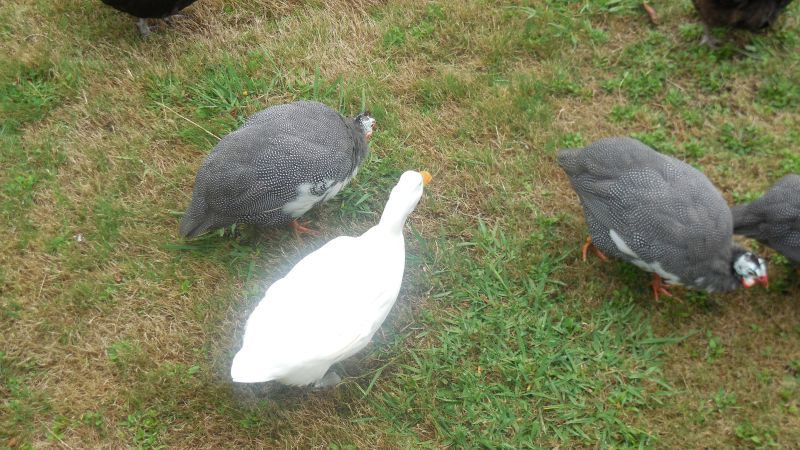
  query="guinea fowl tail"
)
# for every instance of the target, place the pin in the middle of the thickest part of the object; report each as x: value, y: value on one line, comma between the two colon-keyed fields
x: 195, y: 222
x: 568, y: 159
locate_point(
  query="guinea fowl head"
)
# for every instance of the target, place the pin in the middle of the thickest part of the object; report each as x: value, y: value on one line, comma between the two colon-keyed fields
x: 750, y: 269
x: 366, y: 123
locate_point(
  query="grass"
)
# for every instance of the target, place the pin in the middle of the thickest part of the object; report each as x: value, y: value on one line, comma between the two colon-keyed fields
x: 117, y: 333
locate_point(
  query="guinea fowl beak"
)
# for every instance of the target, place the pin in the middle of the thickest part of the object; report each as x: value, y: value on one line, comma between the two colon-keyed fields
x: 426, y: 177
x: 764, y: 281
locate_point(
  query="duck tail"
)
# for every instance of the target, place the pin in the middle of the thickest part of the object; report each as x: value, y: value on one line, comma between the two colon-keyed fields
x: 251, y: 368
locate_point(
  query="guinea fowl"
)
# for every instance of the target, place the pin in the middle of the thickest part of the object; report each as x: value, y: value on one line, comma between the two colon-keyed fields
x: 282, y: 162
x: 659, y: 214
x: 773, y: 219
x: 145, y: 9
x: 751, y: 15
x: 328, y: 307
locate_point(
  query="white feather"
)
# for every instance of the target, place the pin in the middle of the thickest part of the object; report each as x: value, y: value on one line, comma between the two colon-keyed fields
x: 330, y: 304
x: 656, y: 267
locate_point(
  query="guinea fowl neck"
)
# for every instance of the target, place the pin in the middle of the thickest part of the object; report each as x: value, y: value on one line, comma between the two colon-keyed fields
x: 744, y: 223
x: 360, y: 143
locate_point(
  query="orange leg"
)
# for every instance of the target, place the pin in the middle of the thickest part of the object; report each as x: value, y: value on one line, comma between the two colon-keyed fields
x: 300, y: 229
x: 588, y: 245
x: 659, y: 287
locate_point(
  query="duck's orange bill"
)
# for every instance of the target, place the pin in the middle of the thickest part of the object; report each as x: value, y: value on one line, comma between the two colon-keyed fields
x: 426, y: 177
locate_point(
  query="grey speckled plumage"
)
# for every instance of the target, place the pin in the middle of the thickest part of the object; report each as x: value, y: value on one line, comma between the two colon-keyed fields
x: 654, y: 211
x: 282, y: 162
x: 773, y: 219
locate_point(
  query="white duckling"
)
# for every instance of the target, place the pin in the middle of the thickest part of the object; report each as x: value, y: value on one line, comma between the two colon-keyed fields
x: 330, y: 304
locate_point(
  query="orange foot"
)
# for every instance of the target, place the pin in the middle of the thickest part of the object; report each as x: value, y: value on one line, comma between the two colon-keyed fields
x: 300, y: 229
x: 588, y: 245
x: 659, y: 287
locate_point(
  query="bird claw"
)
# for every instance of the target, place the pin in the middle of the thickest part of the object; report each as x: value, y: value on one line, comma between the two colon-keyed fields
x: 300, y: 229
x: 709, y: 39
x: 143, y: 27
x: 659, y: 287
x: 587, y: 246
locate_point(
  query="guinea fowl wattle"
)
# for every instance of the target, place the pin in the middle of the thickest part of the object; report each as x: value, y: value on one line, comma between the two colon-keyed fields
x: 659, y: 214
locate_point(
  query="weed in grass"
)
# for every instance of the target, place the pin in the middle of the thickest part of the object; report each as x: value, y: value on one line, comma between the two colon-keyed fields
x: 780, y: 91
x: 94, y: 419
x: 28, y: 94
x: 714, y: 348
x: 694, y: 148
x: 723, y: 400
x: 20, y: 405
x: 624, y: 113
x: 124, y: 353
x: 744, y: 140
x: 145, y: 426
x: 790, y: 161
x: 755, y: 436
x: 659, y: 139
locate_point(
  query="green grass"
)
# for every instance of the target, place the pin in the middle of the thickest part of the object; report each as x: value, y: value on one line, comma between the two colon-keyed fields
x: 118, y: 333
x: 509, y: 360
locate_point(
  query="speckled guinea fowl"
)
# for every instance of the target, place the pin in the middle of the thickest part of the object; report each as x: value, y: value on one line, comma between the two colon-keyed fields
x: 153, y: 9
x: 660, y: 214
x: 773, y: 219
x: 282, y: 162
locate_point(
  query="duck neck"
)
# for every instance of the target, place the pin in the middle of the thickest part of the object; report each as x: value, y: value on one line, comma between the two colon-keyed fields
x: 394, y: 217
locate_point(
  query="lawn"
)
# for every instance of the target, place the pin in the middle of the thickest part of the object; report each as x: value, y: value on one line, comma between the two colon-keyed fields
x: 118, y: 334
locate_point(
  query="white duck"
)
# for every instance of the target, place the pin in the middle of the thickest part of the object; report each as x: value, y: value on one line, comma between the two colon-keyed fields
x: 331, y: 303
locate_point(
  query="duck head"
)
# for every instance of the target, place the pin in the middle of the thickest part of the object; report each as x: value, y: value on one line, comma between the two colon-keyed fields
x: 404, y: 198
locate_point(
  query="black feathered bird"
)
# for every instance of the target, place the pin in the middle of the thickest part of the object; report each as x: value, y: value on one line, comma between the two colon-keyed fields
x: 149, y: 9
x: 750, y: 15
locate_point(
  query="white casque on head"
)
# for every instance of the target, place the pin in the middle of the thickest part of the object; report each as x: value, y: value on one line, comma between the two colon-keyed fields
x: 367, y: 123
x: 751, y: 269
